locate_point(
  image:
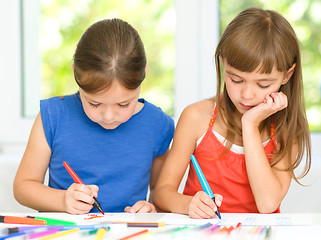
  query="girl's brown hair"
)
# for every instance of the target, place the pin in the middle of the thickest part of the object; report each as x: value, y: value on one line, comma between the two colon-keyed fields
x: 110, y: 49
x: 264, y: 38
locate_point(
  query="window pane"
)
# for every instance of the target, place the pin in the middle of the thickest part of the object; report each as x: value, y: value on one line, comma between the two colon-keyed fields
x: 63, y: 22
x: 305, y: 18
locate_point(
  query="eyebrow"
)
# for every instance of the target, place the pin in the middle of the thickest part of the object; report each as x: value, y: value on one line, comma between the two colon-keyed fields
x: 127, y: 100
x: 261, y: 79
x: 122, y: 102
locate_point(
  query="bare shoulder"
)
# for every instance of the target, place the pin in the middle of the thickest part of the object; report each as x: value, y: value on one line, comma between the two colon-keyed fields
x: 197, y: 116
x: 199, y: 110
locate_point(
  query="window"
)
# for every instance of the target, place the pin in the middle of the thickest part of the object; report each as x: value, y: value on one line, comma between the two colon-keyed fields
x: 189, y: 29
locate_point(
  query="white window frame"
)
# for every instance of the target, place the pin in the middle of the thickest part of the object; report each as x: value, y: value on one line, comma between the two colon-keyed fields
x: 14, y: 127
x: 196, y: 37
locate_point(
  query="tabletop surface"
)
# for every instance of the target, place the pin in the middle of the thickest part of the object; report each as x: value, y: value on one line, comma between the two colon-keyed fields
x: 253, y: 226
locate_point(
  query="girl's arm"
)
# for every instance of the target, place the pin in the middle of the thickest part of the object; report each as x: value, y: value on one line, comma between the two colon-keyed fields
x: 28, y: 186
x: 269, y: 185
x: 157, y: 167
x: 189, y: 128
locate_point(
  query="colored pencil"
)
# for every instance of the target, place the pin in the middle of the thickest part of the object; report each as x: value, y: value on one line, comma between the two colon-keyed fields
x: 79, y: 181
x: 54, y: 222
x: 135, y: 234
x: 268, y: 233
x: 42, y: 234
x: 213, y: 228
x: 100, y: 233
x: 206, y: 225
x: 21, y: 220
x: 137, y: 224
x: 145, y: 225
x: 204, y: 183
x: 60, y: 234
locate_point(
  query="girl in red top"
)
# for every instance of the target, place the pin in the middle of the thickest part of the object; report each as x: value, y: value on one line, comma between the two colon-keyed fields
x: 250, y: 137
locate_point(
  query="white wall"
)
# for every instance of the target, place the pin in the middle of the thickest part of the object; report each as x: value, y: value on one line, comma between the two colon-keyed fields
x: 196, y: 37
x: 14, y: 129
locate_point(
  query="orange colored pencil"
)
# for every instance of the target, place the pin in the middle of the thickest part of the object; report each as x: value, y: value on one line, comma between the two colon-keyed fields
x: 134, y: 235
x: 22, y: 220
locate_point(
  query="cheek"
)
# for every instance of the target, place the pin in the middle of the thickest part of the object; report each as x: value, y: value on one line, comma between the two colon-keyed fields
x: 268, y: 91
x: 232, y: 90
x: 91, y: 114
x: 125, y: 115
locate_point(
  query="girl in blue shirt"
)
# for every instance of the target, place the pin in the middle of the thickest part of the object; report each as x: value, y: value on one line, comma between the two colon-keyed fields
x: 114, y: 141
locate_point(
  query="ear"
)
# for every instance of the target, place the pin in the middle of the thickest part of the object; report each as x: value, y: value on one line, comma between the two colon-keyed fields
x: 73, y: 67
x: 288, y: 74
x: 146, y: 68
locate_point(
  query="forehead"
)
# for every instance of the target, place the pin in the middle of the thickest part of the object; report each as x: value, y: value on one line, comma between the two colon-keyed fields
x: 257, y: 73
x: 114, y: 93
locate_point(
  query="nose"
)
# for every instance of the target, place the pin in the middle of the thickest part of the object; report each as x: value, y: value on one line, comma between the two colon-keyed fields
x: 108, y: 115
x: 247, y: 93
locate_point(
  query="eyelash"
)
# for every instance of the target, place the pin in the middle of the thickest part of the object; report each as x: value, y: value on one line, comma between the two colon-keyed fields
x: 261, y: 86
x: 94, y: 105
x: 234, y: 81
x: 97, y: 105
x: 123, y: 106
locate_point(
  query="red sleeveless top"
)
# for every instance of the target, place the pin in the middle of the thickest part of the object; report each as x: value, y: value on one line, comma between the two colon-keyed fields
x: 226, y: 176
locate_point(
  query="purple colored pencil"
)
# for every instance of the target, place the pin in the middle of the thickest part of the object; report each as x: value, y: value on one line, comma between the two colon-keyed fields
x: 213, y: 228
x: 145, y: 225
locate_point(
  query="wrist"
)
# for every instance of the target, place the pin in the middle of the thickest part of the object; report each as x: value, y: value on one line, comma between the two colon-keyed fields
x: 249, y: 130
x: 249, y: 125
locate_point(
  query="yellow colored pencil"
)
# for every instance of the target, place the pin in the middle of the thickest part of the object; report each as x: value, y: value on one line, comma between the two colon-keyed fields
x: 100, y: 233
x: 60, y: 234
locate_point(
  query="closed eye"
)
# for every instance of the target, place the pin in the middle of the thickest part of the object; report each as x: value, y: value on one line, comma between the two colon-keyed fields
x: 123, y: 105
x: 235, y: 81
x: 94, y: 105
x: 263, y: 86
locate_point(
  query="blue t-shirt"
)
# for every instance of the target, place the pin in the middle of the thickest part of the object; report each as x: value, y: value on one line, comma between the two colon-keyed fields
x: 118, y: 161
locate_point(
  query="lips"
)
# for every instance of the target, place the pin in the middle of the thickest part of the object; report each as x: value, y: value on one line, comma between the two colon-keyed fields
x: 246, y: 106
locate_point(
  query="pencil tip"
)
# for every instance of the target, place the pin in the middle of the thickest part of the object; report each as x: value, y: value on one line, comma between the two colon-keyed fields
x: 102, y: 212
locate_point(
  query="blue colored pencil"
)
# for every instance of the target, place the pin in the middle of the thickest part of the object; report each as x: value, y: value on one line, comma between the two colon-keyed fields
x: 204, y: 183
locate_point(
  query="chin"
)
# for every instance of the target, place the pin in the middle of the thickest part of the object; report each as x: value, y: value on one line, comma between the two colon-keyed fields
x: 241, y: 111
x: 110, y: 126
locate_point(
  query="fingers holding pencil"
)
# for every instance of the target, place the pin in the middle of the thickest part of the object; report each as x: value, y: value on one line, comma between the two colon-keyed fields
x: 202, y: 206
x: 77, y: 180
x: 79, y: 199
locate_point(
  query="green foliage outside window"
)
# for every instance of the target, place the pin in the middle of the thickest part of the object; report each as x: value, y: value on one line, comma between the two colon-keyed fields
x: 305, y: 18
x: 63, y: 22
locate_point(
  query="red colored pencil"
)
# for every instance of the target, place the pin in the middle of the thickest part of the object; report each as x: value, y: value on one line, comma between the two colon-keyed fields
x: 79, y: 181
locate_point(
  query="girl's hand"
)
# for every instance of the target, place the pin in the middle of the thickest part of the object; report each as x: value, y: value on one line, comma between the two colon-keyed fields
x: 79, y: 198
x: 203, y: 206
x: 141, y: 207
x: 272, y: 103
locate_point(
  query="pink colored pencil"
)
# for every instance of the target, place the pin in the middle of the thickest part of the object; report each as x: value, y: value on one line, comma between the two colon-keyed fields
x: 42, y: 234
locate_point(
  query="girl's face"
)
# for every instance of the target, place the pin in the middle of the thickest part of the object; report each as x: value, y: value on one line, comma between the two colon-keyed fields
x: 111, y: 107
x: 248, y: 89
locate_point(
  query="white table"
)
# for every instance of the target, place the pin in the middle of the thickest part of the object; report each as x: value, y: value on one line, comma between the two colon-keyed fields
x: 284, y: 226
